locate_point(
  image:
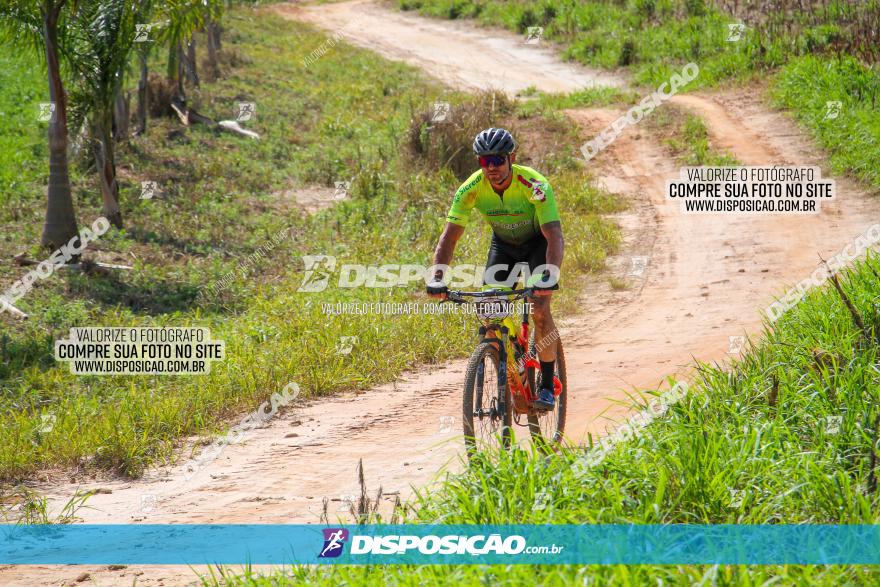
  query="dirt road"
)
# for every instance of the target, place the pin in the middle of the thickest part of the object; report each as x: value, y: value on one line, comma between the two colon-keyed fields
x: 706, y: 279
x: 457, y: 54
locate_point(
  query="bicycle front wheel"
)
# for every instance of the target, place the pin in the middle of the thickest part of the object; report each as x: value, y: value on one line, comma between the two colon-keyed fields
x: 487, y: 421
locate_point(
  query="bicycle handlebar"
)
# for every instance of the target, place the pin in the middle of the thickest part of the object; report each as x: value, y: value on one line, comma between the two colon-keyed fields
x: 458, y: 296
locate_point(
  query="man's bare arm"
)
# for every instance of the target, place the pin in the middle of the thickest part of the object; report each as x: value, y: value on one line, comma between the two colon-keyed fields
x: 555, y: 243
x: 446, y: 246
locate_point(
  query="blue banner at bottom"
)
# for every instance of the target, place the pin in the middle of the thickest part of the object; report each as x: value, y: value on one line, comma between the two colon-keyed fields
x: 440, y: 544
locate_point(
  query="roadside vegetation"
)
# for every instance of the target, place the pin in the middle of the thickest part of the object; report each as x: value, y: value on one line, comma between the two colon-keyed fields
x: 838, y: 100
x: 813, y: 53
x: 204, y: 250
x: 650, y: 37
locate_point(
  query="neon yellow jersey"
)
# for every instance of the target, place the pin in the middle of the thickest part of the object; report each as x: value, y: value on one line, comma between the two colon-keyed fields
x: 517, y: 217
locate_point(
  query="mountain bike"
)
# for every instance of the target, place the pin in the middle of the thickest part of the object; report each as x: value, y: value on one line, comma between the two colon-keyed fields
x: 504, y: 375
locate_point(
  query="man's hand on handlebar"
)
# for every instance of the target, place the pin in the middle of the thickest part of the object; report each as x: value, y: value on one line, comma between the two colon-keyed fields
x: 437, y: 289
x: 535, y: 282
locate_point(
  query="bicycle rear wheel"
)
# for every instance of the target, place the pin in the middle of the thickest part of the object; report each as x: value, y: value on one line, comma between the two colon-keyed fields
x: 486, y: 424
x: 548, y: 427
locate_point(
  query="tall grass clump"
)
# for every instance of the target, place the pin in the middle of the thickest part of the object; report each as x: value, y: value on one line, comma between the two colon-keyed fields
x: 839, y: 101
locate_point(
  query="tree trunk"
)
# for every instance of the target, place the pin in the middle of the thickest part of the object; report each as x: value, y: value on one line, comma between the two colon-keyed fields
x: 175, y: 71
x: 60, y: 223
x: 142, y: 94
x: 80, y: 139
x: 181, y: 91
x: 120, y: 116
x: 217, y: 29
x: 211, y: 41
x: 102, y: 146
x: 192, y: 70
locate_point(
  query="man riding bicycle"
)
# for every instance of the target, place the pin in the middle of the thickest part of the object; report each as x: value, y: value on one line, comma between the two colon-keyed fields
x: 519, y: 205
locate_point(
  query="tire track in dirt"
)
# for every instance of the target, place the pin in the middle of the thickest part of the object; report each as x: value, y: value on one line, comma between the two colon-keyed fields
x: 706, y: 279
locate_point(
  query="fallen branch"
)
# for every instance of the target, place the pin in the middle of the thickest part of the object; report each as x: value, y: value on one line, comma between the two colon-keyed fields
x: 233, y: 127
x: 182, y: 114
x: 89, y: 265
x: 83, y: 266
x: 191, y: 116
x: 324, y: 517
x: 4, y: 305
x: 201, y: 118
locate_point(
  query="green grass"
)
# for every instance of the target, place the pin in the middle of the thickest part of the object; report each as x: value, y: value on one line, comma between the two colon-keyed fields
x: 653, y: 38
x: 852, y: 138
x: 538, y: 102
x: 561, y: 575
x: 687, y: 137
x: 754, y: 443
x: 341, y: 118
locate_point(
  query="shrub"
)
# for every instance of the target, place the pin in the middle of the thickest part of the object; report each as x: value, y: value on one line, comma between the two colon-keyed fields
x: 646, y: 8
x: 526, y: 19
x: 435, y: 145
x: 627, y: 53
x: 696, y: 7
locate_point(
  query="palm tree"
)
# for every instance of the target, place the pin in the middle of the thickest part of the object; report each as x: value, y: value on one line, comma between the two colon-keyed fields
x: 39, y: 24
x: 143, y: 53
x: 211, y: 13
x: 184, y: 18
x: 143, y: 49
x: 102, y: 46
x: 215, y: 10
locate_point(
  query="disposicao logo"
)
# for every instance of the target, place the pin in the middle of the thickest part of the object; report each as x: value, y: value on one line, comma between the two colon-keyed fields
x: 473, y: 545
x: 334, y: 541
x: 408, y: 545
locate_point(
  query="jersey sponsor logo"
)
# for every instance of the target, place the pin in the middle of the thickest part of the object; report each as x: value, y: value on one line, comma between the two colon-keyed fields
x: 504, y: 212
x: 465, y: 188
x: 537, y: 187
x: 515, y: 225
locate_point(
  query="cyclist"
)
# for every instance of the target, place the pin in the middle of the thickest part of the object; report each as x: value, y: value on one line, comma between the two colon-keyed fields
x: 519, y: 205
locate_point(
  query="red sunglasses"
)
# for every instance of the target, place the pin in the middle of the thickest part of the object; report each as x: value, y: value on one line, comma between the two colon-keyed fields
x: 495, y: 160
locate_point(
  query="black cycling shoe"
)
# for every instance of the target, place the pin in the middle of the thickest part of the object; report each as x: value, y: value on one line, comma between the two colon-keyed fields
x: 546, y: 400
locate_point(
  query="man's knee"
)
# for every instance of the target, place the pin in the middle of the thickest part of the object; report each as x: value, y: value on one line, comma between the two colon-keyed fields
x: 540, y: 310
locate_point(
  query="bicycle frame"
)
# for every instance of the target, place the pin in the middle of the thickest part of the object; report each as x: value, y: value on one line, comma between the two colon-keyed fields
x: 499, y: 330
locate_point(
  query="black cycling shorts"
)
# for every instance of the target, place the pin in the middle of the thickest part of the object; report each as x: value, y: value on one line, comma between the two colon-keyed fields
x: 532, y: 252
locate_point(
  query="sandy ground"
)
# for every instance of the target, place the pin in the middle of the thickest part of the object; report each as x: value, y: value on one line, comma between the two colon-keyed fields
x: 456, y: 53
x: 706, y: 279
